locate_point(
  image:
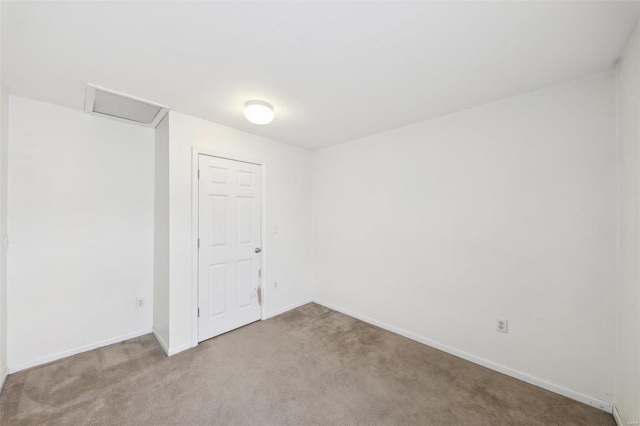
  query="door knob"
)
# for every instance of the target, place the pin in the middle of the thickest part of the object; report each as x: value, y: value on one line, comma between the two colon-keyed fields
x: 258, y: 250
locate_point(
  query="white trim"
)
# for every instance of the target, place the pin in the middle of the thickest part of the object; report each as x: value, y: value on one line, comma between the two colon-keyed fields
x: 616, y: 415
x: 242, y: 158
x: 163, y: 344
x: 178, y: 349
x: 195, y: 153
x: 287, y: 308
x: 80, y: 349
x: 90, y: 98
x: 594, y: 402
x: 3, y: 379
x: 265, y: 251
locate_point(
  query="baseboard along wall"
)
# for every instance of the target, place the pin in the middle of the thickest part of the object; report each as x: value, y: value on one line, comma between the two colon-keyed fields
x: 595, y: 402
x: 577, y: 396
x: 45, y: 360
x: 286, y: 309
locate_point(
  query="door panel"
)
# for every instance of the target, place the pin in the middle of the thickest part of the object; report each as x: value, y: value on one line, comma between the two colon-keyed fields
x: 229, y: 217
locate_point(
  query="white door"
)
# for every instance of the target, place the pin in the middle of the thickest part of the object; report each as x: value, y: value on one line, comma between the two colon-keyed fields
x: 229, y: 259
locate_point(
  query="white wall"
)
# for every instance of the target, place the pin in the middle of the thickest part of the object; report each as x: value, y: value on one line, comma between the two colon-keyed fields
x: 81, y: 230
x: 288, y: 204
x: 4, y: 98
x: 507, y: 210
x: 161, y: 235
x: 4, y: 149
x: 627, y: 377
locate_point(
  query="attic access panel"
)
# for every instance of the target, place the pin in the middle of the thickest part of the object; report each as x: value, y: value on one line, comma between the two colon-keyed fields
x: 118, y: 106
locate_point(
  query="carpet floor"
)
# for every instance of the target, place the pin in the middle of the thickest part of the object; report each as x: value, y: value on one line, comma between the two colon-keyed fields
x: 309, y: 366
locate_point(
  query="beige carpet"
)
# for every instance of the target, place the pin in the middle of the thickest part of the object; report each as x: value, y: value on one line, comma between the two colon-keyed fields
x: 308, y: 366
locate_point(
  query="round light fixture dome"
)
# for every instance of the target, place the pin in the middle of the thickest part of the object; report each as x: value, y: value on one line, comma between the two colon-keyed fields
x: 258, y: 112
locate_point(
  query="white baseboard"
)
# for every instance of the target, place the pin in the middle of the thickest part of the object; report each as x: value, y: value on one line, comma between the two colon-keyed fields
x: 178, y: 349
x: 3, y: 379
x: 616, y: 415
x: 170, y: 351
x: 163, y: 344
x: 15, y: 368
x: 286, y: 309
x: 595, y: 402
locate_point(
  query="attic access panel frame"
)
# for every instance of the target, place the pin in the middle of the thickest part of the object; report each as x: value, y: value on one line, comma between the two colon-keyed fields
x: 90, y: 100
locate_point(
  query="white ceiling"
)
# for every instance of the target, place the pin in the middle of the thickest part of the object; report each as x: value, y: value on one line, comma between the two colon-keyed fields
x: 333, y: 71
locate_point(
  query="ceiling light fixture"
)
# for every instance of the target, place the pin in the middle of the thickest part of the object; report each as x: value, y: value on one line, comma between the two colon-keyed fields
x: 258, y: 112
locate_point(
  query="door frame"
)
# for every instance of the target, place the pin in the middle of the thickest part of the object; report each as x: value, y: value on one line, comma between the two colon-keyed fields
x: 195, y: 217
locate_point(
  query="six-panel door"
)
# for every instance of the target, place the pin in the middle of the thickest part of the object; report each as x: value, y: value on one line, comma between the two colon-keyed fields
x: 229, y: 209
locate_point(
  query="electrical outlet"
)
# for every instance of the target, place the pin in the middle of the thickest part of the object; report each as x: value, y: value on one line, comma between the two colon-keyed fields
x: 501, y: 325
x: 274, y: 229
x: 139, y: 302
x: 275, y: 285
